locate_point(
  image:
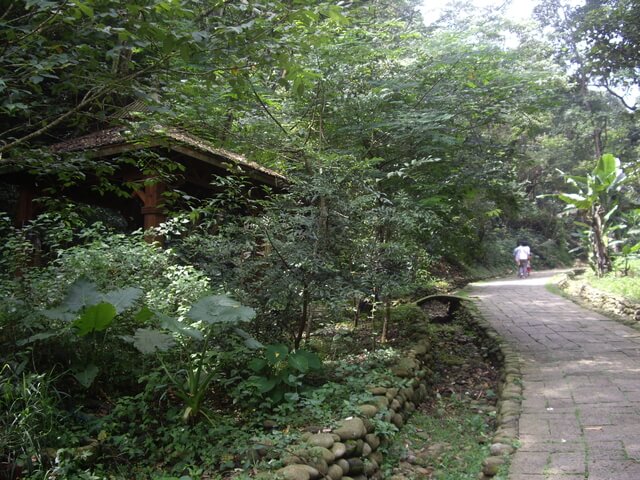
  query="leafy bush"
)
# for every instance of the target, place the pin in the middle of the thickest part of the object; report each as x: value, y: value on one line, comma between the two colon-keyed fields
x: 80, y: 321
x: 109, y: 260
x: 279, y: 374
x: 407, y: 313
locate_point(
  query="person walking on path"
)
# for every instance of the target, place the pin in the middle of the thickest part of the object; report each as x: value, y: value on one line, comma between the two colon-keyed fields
x: 522, y: 256
x: 580, y: 417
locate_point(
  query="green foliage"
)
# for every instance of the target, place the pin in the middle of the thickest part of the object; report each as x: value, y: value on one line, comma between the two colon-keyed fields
x: 598, y: 200
x: 76, y: 328
x: 407, y: 314
x: 193, y: 382
x: 407, y: 149
x: 611, y: 36
x: 627, y: 285
x: 279, y: 374
x: 85, y: 312
x: 112, y: 261
x: 29, y: 417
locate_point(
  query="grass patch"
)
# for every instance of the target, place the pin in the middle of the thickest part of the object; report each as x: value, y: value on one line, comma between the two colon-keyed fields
x: 552, y: 287
x: 448, y: 437
x: 446, y: 444
x: 627, y: 287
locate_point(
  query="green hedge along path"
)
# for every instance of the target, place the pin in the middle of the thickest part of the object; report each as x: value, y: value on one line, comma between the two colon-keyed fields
x: 580, y: 414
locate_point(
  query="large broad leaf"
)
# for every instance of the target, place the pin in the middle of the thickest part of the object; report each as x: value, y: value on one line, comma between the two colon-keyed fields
x: 249, y: 341
x: 607, y: 216
x: 60, y: 313
x: 304, y: 361
x: 219, y: 309
x: 276, y: 353
x: 257, y: 364
x: 38, y: 336
x: 264, y: 384
x: 95, y: 318
x: 149, y: 341
x: 87, y: 375
x: 616, y: 184
x: 82, y: 293
x: 176, y: 326
x: 299, y: 362
x: 576, y: 180
x: 607, y: 169
x: 123, y: 298
x: 578, y: 201
x: 144, y: 315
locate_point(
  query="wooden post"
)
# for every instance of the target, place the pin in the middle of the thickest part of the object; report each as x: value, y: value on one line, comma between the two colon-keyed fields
x: 152, y: 209
x: 26, y: 210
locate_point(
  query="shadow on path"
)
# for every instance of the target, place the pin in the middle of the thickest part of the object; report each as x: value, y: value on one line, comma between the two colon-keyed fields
x: 581, y: 376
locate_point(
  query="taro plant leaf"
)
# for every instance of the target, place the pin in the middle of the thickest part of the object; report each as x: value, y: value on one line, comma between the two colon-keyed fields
x: 123, y: 298
x: 60, y: 313
x: 144, y: 315
x: 257, y: 364
x: 87, y: 376
x: 149, y: 341
x: 305, y: 361
x: 219, y: 309
x: 299, y: 362
x: 36, y: 337
x: 249, y: 342
x: 176, y: 326
x: 276, y: 353
x: 95, y: 318
x: 265, y: 384
x: 81, y: 293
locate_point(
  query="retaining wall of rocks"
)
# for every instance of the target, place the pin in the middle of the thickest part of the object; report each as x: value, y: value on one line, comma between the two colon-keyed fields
x: 350, y: 451
x: 597, y: 299
x: 509, y: 405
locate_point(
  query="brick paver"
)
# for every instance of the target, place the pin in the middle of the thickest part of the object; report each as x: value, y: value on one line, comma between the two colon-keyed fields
x: 581, y: 377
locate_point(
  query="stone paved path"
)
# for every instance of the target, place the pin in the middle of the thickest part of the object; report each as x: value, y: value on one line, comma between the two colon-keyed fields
x: 581, y: 379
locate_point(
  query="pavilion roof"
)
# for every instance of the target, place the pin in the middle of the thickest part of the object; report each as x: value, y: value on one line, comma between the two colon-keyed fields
x: 118, y: 140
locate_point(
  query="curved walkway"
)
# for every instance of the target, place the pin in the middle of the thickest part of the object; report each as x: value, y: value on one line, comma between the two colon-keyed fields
x: 581, y: 377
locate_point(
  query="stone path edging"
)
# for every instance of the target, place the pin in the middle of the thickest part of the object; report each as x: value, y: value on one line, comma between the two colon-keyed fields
x: 509, y: 404
x: 580, y: 410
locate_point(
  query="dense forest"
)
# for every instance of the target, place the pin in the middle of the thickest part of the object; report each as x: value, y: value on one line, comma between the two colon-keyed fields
x: 215, y: 214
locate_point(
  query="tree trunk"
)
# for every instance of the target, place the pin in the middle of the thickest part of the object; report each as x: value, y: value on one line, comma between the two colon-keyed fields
x: 602, y: 260
x: 304, y: 318
x: 385, y: 323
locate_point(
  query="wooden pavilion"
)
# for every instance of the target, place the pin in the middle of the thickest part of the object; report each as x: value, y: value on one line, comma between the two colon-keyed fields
x: 198, y: 161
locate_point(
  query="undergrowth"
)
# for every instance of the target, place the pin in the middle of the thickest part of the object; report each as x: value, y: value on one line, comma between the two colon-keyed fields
x: 449, y: 435
x: 627, y: 286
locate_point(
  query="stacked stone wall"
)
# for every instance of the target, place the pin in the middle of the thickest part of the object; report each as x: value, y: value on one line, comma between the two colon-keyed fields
x: 351, y: 450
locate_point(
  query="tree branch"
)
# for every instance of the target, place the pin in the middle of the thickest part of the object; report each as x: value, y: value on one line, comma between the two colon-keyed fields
x: 88, y: 99
x: 633, y: 108
x: 40, y: 26
x: 266, y: 109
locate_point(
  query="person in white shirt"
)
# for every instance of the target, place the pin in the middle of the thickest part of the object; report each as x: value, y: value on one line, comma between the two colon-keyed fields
x: 521, y: 255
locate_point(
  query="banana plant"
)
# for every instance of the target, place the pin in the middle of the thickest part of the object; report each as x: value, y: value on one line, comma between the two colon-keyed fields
x: 597, y: 197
